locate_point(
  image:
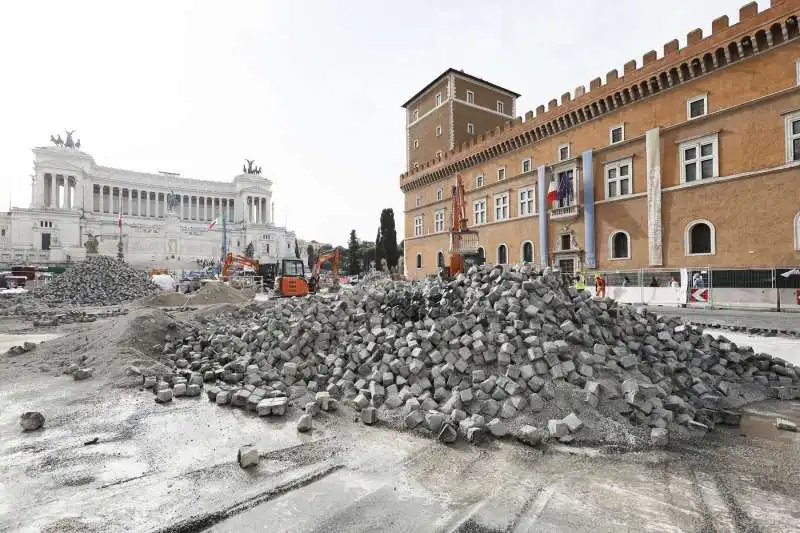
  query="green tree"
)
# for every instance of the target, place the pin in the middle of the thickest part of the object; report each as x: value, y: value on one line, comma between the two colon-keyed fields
x: 249, y: 250
x: 353, y: 255
x: 388, y: 236
x: 312, y: 256
x: 367, y: 255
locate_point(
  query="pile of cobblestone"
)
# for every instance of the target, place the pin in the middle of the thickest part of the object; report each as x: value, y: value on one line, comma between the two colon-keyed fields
x: 495, y: 352
x: 99, y: 280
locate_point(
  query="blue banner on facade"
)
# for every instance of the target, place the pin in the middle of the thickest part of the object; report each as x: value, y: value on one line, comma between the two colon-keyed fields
x: 588, y: 201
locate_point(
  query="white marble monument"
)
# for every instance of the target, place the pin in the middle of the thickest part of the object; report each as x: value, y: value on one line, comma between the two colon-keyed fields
x: 165, y: 217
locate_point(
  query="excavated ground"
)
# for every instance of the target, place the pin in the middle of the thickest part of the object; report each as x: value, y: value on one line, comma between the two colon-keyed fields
x: 173, y: 467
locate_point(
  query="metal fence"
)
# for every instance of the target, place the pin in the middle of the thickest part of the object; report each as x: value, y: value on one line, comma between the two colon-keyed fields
x: 708, y: 277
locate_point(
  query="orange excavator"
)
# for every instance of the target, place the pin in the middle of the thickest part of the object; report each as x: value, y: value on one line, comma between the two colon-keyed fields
x: 334, y: 257
x: 290, y: 279
x: 463, y: 241
x: 237, y: 262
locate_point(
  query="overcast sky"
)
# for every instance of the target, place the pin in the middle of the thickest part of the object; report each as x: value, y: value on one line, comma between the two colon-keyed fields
x: 311, y: 90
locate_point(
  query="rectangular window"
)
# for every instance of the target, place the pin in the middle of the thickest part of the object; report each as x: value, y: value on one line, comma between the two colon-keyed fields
x: 500, y: 107
x: 619, y: 178
x: 439, y: 130
x: 697, y: 106
x: 479, y: 208
x: 418, y: 226
x: 479, y: 181
x: 438, y: 99
x: 439, y: 194
x: 526, y: 165
x: 526, y: 202
x: 470, y: 128
x: 416, y: 144
x: 416, y: 115
x: 419, y: 199
x: 438, y: 221
x: 501, y: 206
x: 563, y: 152
x: 699, y: 159
x: 566, y: 241
x: 617, y: 134
x: 793, y: 137
x: 470, y: 97
x: 501, y: 173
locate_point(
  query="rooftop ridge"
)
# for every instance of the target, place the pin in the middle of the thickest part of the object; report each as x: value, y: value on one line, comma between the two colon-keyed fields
x: 672, y: 68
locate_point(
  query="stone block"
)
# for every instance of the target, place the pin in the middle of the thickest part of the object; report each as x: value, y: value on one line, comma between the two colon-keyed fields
x: 497, y: 427
x: 369, y: 415
x: 659, y: 437
x: 247, y: 456
x: 573, y: 422
x: 304, y: 424
x: 165, y: 396
x: 557, y: 428
x: 413, y: 419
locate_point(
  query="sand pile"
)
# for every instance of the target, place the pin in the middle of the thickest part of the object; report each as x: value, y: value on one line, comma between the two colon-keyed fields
x: 165, y: 299
x: 218, y: 293
x: 121, y: 349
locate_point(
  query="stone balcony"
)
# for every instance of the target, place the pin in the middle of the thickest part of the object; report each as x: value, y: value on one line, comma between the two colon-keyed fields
x: 565, y: 213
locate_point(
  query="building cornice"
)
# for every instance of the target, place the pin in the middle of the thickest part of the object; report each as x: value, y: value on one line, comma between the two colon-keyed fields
x: 675, y: 68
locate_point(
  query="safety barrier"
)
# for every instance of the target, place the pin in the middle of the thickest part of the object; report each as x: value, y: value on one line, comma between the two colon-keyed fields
x: 776, y: 288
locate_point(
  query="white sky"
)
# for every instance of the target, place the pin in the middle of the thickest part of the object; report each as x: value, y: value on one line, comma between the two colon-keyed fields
x: 312, y: 90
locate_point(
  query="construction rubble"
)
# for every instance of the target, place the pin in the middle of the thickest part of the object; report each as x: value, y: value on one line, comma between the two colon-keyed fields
x: 495, y: 352
x: 98, y: 280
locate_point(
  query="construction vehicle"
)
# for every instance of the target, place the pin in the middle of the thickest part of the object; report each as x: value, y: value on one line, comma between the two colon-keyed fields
x: 237, y: 263
x: 291, y: 278
x: 334, y: 257
x: 464, y: 246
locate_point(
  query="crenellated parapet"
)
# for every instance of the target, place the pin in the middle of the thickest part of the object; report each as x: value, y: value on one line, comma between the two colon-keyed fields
x: 754, y: 34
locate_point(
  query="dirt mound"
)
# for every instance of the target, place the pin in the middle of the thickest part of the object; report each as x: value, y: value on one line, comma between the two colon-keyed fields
x: 164, y: 299
x: 120, y: 349
x: 218, y: 293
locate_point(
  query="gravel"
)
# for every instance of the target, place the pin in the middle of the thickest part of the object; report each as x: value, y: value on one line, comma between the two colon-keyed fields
x: 99, y: 280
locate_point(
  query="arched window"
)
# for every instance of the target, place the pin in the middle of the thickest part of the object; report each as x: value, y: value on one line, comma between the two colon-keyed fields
x: 527, y: 252
x: 419, y: 260
x: 440, y: 259
x: 620, y: 245
x: 700, y: 238
x: 502, y: 254
x: 482, y: 253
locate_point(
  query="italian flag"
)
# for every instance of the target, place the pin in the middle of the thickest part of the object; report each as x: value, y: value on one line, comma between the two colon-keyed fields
x: 552, y: 194
x: 214, y: 222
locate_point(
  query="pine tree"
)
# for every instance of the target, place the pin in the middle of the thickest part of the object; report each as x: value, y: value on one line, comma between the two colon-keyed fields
x: 353, y: 253
x: 389, y: 238
x: 311, y: 256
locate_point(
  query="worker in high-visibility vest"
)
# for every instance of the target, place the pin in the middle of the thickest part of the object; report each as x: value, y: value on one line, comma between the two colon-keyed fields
x: 580, y: 283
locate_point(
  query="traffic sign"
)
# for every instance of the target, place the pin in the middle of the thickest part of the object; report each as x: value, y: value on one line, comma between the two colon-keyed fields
x: 700, y: 296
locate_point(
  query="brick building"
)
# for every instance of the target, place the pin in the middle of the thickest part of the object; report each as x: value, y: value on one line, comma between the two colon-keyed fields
x: 686, y: 160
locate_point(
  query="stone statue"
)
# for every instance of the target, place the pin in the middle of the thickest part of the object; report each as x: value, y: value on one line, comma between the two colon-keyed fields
x: 172, y: 201
x: 78, y: 144
x: 56, y: 140
x: 69, y: 143
x: 250, y: 165
x: 91, y: 244
x: 244, y: 169
x: 258, y: 170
